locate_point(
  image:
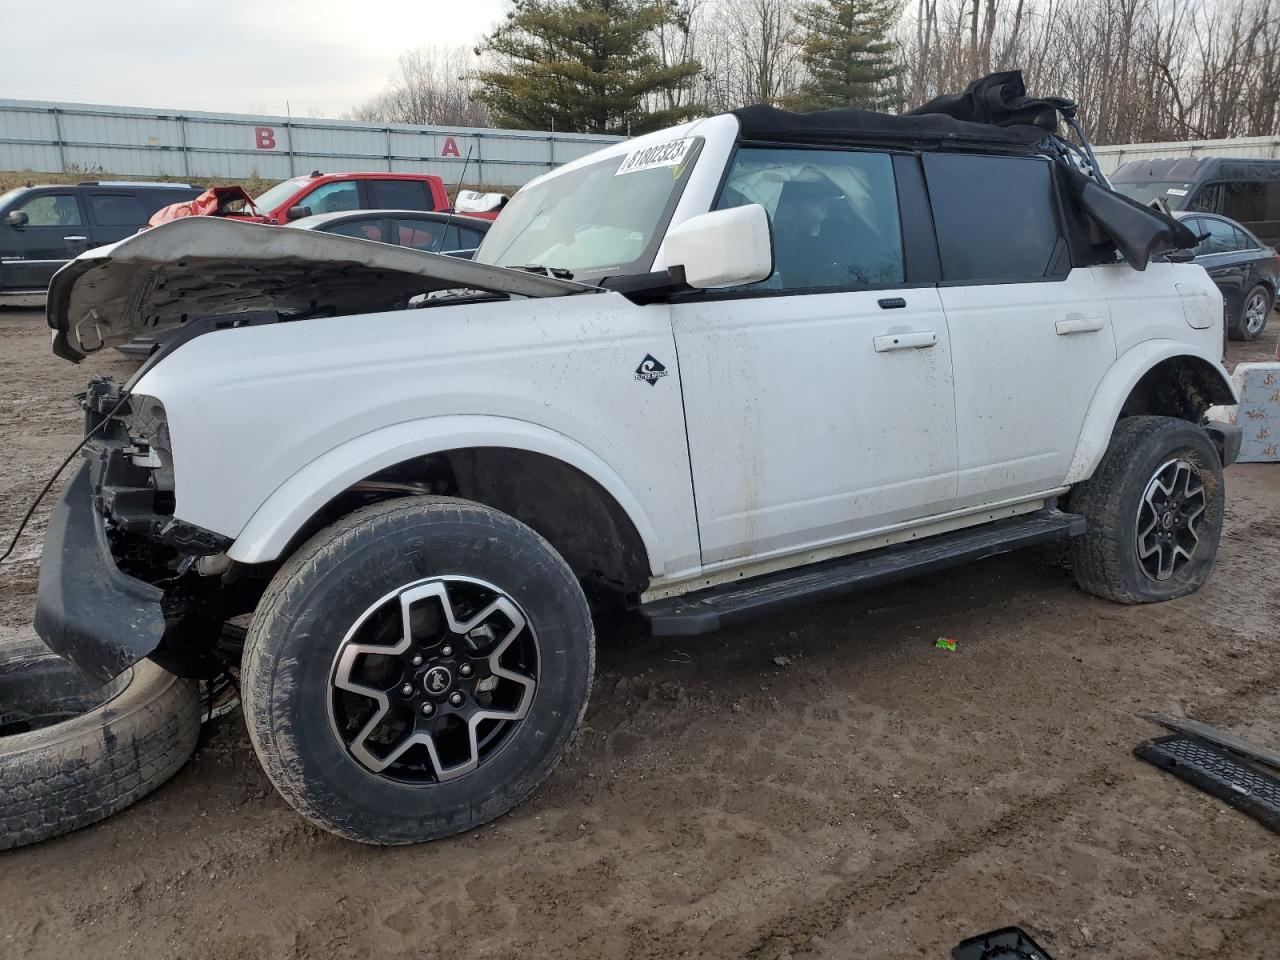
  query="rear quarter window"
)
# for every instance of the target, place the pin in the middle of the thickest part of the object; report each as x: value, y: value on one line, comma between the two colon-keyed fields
x: 996, y: 217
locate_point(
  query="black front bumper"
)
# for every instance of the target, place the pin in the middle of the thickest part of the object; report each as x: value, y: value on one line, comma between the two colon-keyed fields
x: 1227, y: 438
x: 87, y: 610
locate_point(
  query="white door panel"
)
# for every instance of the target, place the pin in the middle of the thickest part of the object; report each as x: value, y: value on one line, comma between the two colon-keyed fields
x: 807, y: 423
x: 1028, y: 358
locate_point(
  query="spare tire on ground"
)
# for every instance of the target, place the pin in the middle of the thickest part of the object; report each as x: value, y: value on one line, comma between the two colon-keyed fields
x: 71, y: 752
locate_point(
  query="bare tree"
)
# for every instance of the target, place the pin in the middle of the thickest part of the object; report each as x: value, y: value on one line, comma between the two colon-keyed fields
x: 430, y: 85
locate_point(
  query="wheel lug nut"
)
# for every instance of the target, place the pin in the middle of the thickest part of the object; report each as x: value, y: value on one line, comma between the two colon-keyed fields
x: 446, y: 651
x: 428, y: 709
x: 455, y: 698
x: 417, y: 660
x: 465, y: 669
x: 407, y: 689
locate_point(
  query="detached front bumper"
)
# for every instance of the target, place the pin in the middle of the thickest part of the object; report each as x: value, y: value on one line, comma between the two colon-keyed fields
x: 87, y: 609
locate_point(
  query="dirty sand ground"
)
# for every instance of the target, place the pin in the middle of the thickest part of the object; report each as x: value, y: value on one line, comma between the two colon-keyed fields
x: 874, y: 797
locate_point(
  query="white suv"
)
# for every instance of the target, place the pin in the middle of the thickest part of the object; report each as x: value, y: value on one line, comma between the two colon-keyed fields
x: 751, y: 361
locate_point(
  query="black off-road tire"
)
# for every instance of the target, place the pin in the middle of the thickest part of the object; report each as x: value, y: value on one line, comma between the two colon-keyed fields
x: 322, y: 592
x: 1238, y: 328
x: 1105, y: 560
x: 72, y: 753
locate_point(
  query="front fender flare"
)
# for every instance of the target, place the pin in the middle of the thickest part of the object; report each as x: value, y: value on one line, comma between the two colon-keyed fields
x: 297, y: 500
x: 1115, y: 388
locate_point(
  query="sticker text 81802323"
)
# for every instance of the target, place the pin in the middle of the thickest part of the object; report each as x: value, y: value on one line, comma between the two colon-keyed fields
x: 669, y: 154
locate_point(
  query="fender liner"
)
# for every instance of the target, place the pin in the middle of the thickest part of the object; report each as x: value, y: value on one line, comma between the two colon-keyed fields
x: 298, y: 499
x: 1115, y: 388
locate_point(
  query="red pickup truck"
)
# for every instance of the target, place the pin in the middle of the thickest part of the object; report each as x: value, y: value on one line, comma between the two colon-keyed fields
x: 315, y: 194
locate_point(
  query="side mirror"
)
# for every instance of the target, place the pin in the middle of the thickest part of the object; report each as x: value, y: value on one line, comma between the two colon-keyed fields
x: 17, y: 219
x: 297, y: 213
x: 724, y: 248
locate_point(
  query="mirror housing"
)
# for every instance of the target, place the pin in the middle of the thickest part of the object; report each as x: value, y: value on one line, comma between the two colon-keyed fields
x: 297, y: 213
x: 724, y: 248
x: 17, y: 218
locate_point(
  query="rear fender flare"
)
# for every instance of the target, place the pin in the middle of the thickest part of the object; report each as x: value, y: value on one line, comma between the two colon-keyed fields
x: 1115, y: 388
x: 272, y: 526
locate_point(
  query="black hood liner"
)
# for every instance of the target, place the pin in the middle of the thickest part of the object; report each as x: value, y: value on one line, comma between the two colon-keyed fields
x: 993, y: 112
x: 1139, y: 232
x: 999, y: 99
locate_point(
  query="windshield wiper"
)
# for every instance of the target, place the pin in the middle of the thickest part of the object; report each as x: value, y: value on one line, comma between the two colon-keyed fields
x: 558, y: 273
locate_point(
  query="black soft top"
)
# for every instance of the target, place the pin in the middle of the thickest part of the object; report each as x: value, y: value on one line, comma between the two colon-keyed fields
x: 993, y: 112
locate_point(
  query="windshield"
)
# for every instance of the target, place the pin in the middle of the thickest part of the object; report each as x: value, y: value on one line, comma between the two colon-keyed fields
x: 279, y: 194
x: 607, y: 217
x: 1174, y: 192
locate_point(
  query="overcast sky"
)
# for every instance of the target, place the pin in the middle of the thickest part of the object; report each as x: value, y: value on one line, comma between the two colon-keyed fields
x: 239, y: 56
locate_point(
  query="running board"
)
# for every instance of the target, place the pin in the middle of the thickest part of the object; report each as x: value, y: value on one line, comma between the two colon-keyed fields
x: 716, y: 607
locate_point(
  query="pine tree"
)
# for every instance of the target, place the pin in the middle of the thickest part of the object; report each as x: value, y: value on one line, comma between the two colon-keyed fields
x: 585, y: 66
x: 846, y: 53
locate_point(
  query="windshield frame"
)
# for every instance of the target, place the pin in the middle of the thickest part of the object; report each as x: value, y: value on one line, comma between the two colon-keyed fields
x: 643, y: 262
x: 298, y: 183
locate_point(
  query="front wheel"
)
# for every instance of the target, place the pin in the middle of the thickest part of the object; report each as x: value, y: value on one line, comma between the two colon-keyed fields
x: 1154, y: 507
x: 416, y: 670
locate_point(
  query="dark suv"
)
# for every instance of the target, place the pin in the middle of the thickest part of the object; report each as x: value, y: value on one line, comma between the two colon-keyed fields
x: 43, y: 227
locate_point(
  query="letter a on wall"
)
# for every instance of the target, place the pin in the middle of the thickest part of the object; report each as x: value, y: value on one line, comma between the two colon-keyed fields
x: 450, y: 148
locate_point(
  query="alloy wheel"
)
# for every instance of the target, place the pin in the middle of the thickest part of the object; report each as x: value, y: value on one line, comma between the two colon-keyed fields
x: 1169, y: 517
x: 432, y: 679
x: 1255, y: 313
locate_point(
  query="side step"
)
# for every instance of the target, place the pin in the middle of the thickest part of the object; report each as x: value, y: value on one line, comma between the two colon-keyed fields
x: 716, y: 607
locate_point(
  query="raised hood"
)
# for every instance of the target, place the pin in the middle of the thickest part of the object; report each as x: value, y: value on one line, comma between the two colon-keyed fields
x: 208, y: 266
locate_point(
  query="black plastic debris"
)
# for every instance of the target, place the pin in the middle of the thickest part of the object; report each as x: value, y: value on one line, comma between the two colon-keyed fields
x: 1221, y: 764
x: 1007, y: 943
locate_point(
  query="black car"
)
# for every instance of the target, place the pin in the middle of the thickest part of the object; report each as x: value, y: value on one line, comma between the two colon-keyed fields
x: 43, y: 227
x: 454, y: 235
x: 1246, y: 270
x: 1246, y: 190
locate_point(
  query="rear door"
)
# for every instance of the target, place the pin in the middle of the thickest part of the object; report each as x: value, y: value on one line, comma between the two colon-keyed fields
x: 1031, y: 338
x: 55, y: 231
x: 399, y: 195
x: 114, y: 214
x: 1224, y: 254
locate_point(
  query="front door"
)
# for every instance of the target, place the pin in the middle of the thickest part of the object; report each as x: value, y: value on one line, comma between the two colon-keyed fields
x: 54, y: 232
x: 818, y: 402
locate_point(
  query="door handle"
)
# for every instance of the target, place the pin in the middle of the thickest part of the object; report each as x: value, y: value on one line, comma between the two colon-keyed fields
x: 913, y: 340
x: 1078, y: 324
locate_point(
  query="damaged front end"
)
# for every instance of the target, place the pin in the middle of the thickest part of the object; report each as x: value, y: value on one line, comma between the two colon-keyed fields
x: 120, y: 576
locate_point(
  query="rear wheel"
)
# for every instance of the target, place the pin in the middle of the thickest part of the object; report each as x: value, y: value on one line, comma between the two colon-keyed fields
x: 1154, y: 507
x: 416, y: 670
x: 1253, y: 315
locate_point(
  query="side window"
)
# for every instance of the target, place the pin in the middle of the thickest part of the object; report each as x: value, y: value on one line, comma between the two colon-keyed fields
x: 469, y: 239
x: 52, y: 210
x: 369, y: 229
x: 834, y: 216
x: 421, y: 234
x: 1245, y: 201
x: 117, y: 210
x: 996, y: 217
x: 333, y: 198
x: 1208, y: 199
x: 398, y: 195
x: 1223, y: 237
x: 1196, y: 226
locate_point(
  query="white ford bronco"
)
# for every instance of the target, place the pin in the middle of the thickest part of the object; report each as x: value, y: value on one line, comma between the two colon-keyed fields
x: 753, y: 361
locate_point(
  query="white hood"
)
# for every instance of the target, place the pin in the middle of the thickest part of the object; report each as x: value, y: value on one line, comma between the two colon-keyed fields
x: 209, y: 266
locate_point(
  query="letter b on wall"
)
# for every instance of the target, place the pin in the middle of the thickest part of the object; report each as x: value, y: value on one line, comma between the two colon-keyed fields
x: 265, y: 138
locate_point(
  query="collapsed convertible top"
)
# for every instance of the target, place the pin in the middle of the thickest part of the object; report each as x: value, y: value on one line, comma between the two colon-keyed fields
x: 994, y: 113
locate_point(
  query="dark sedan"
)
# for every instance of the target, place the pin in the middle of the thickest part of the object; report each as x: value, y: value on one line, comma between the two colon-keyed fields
x: 451, y: 234
x: 1245, y: 269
